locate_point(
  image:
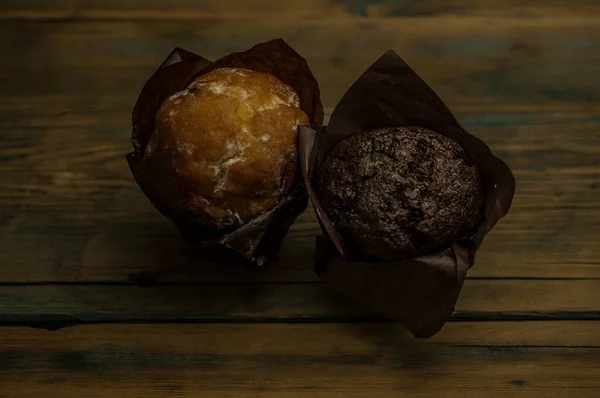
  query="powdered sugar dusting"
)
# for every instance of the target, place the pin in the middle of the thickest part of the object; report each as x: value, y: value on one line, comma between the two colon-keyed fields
x: 225, y: 88
x: 290, y: 99
x: 264, y: 138
x: 227, y: 164
x: 243, y: 94
x: 230, y: 147
x: 283, y: 96
x: 293, y: 99
x: 275, y: 103
x: 236, y: 71
x: 224, y: 174
x: 234, y: 153
x: 215, y: 169
x: 177, y: 96
x: 216, y: 87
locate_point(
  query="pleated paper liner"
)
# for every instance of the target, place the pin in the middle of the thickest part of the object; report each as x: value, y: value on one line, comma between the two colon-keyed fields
x: 419, y: 292
x: 257, y: 241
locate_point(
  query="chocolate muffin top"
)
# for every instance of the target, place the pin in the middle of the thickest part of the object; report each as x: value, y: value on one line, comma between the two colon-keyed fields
x: 396, y: 193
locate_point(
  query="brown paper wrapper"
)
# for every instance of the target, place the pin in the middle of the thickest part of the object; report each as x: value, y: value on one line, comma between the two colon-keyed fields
x: 258, y: 240
x: 419, y: 292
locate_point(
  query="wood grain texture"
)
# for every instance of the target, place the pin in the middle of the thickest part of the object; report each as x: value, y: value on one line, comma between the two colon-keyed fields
x: 293, y: 9
x: 79, y: 243
x: 57, y: 305
x: 498, y: 61
x: 71, y: 211
x: 342, y: 360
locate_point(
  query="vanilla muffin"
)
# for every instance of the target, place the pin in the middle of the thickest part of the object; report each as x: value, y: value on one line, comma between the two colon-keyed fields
x: 231, y: 139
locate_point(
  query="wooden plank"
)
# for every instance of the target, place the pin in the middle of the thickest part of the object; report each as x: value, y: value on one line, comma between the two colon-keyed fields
x: 81, y: 110
x: 72, y: 212
x: 342, y: 360
x: 282, y: 336
x: 521, y: 61
x: 58, y: 305
x: 181, y: 9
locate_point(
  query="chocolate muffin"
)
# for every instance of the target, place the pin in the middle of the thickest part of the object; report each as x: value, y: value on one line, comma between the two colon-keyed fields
x: 396, y: 193
x: 231, y: 140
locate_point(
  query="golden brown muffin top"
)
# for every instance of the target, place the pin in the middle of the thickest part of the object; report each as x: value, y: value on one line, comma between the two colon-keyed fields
x: 232, y: 139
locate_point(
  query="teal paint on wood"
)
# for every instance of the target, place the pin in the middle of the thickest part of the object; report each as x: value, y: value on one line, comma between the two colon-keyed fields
x: 359, y: 7
x: 466, y: 47
x: 520, y: 84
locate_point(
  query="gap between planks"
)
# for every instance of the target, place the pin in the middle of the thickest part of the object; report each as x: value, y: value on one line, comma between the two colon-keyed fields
x: 53, y: 306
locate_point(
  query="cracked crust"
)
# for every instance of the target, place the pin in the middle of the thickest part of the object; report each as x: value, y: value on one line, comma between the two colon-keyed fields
x: 399, y: 192
x: 232, y: 136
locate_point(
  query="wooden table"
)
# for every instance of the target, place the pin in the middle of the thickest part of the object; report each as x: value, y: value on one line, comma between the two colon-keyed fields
x: 83, y: 251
